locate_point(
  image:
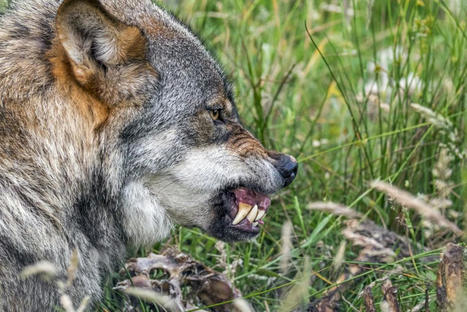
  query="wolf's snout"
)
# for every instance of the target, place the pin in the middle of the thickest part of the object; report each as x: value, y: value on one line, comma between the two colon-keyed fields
x: 287, y: 167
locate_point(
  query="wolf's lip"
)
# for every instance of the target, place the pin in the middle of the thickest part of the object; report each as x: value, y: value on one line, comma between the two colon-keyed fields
x: 247, y: 196
x: 249, y: 209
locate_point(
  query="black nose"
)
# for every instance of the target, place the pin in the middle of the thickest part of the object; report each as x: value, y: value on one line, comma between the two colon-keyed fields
x: 287, y: 167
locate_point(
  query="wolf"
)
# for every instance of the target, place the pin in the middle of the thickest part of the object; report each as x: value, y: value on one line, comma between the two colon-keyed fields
x: 115, y: 124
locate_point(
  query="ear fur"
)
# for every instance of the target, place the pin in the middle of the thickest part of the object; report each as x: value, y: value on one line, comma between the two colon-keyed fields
x: 93, y: 39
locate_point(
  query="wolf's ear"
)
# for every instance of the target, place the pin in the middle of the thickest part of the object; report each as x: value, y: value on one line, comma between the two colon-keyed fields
x: 91, y: 37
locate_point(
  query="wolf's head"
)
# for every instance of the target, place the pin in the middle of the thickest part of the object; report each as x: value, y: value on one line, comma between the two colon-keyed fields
x: 166, y: 117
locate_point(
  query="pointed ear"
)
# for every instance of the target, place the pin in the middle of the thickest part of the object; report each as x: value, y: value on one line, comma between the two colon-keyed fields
x: 91, y: 37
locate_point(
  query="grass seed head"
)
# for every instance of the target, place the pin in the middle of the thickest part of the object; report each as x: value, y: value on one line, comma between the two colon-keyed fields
x: 421, y: 207
x: 442, y: 173
x: 286, y: 246
x: 241, y: 305
x: 339, y: 258
x: 44, y: 268
x: 453, y: 141
x: 73, y: 267
x: 335, y: 209
x: 66, y: 303
x: 152, y: 297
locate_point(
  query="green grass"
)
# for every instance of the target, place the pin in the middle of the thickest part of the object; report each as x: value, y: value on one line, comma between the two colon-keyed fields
x: 301, y: 76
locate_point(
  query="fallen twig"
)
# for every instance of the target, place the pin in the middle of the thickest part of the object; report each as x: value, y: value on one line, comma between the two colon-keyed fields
x: 368, y: 299
x: 390, y: 303
x: 450, y: 277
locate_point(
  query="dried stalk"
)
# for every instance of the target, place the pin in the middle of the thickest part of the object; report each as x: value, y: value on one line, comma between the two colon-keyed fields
x: 450, y: 277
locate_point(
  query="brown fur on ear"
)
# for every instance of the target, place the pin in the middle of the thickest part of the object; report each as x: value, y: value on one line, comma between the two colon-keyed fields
x: 99, y: 61
x: 132, y: 44
x: 90, y: 36
x: 81, y: 93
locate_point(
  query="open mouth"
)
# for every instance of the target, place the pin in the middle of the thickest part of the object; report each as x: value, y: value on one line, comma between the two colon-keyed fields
x: 239, y: 214
x: 248, y: 209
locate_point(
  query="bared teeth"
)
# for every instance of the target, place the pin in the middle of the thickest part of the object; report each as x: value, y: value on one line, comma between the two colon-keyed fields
x: 252, y: 215
x: 243, y: 210
x: 261, y: 214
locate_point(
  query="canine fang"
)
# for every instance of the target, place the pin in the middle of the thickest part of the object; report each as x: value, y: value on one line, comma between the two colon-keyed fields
x: 243, y: 210
x: 261, y: 214
x: 252, y: 215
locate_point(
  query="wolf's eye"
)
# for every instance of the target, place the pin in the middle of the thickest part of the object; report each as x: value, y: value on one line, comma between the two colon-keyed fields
x: 215, y: 114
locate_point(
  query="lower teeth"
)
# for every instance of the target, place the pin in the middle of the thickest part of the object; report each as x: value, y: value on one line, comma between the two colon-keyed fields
x: 255, y: 223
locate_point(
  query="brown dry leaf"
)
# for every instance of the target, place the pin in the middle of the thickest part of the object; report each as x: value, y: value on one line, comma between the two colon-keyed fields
x: 378, y: 243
